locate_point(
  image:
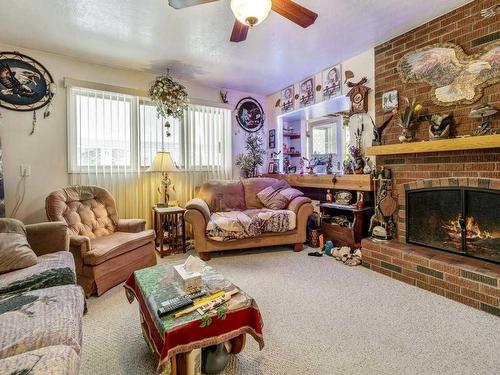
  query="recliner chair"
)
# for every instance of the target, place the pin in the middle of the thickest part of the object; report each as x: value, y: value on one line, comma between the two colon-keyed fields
x: 107, y: 250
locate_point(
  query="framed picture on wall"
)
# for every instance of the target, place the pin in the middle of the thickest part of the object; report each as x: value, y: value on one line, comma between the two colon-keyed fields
x: 272, y: 139
x: 287, y: 100
x: 306, y: 92
x: 332, y: 82
x: 390, y: 100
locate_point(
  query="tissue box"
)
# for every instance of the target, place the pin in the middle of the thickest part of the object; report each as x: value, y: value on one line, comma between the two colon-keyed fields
x: 190, y: 282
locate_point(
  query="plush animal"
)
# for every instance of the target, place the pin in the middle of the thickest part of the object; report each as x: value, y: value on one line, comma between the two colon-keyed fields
x: 341, y: 253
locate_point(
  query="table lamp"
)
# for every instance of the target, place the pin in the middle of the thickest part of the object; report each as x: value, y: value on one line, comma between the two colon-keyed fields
x: 163, y: 163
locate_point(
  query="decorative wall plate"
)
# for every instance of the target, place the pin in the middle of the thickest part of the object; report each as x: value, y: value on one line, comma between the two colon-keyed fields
x: 250, y: 115
x: 25, y: 84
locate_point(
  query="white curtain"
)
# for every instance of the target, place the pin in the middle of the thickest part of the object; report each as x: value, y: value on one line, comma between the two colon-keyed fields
x: 112, y: 139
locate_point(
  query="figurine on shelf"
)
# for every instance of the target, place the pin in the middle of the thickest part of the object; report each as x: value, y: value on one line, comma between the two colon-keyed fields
x: 286, y: 165
x: 301, y: 165
x: 367, y: 169
x: 346, y: 166
x: 357, y: 160
x: 378, y: 130
x: 285, y: 148
x: 439, y: 126
x: 329, y: 164
x: 329, y: 196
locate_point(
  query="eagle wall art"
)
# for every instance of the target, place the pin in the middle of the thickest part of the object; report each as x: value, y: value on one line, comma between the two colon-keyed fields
x: 457, y: 78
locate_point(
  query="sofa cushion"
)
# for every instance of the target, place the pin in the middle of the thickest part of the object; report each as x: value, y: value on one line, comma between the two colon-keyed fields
x: 51, y: 270
x: 53, y: 360
x: 40, y: 318
x: 222, y: 196
x: 88, y: 210
x: 107, y: 247
x: 225, y: 226
x: 252, y: 187
x: 15, y: 251
x: 278, y: 195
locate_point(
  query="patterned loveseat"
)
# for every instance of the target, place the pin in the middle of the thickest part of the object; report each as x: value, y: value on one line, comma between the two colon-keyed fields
x: 228, y: 215
x: 41, y: 308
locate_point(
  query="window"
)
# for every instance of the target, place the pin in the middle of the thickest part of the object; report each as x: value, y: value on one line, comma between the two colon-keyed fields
x: 120, y: 132
x: 325, y: 137
x: 101, y: 129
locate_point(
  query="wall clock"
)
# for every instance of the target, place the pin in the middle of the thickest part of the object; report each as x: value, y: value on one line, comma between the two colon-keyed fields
x: 357, y: 94
x: 25, y: 84
x: 249, y: 114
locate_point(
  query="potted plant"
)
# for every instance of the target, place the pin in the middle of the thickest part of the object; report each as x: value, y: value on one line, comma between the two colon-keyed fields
x: 249, y: 162
x: 406, y: 119
x: 169, y: 96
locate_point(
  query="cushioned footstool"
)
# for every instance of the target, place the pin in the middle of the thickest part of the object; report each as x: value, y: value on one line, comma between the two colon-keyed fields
x: 40, y: 318
x: 53, y: 360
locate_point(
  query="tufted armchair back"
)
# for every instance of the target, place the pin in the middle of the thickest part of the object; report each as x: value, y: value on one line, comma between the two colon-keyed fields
x: 88, y: 210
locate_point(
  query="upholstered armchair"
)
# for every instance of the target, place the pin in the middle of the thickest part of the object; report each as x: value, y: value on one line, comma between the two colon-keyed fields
x: 107, y: 249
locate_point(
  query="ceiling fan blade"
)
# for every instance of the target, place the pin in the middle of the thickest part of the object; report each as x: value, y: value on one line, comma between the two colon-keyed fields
x: 294, y: 12
x: 240, y: 32
x: 179, y: 4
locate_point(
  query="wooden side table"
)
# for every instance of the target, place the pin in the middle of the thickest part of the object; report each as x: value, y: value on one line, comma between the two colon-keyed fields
x: 170, y: 228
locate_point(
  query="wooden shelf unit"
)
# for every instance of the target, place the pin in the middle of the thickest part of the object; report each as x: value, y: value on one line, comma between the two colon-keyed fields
x: 452, y: 144
x: 357, y: 182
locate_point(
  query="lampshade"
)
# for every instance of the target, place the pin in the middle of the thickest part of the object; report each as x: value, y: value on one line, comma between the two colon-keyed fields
x: 251, y: 12
x: 163, y: 162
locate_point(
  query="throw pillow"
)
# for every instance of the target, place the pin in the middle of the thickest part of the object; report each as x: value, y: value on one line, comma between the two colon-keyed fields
x: 278, y: 196
x: 15, y: 251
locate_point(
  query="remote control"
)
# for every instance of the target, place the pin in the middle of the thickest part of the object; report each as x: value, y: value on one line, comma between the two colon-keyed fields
x: 178, y: 302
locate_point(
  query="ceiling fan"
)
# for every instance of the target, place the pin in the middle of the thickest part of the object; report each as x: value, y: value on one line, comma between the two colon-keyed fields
x: 249, y: 13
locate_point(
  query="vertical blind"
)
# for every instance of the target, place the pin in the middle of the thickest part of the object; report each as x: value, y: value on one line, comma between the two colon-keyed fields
x: 113, y: 138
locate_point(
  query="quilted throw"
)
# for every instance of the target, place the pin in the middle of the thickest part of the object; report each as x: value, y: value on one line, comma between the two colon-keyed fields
x: 233, y: 225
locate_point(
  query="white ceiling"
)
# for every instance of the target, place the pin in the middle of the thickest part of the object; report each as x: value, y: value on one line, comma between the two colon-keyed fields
x: 194, y: 42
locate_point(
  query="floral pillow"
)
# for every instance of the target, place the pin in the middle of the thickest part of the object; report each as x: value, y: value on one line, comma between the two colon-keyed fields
x: 278, y: 195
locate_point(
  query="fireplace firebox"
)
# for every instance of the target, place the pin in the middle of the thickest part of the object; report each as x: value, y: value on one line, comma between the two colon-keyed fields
x: 461, y: 220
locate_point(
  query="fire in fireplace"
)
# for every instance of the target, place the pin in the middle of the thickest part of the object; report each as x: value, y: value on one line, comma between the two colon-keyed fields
x: 463, y: 220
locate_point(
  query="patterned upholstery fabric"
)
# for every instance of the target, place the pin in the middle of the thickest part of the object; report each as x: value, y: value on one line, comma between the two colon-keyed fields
x: 53, y: 360
x: 223, y: 195
x: 40, y: 318
x: 224, y: 226
x: 51, y: 270
x: 89, y: 210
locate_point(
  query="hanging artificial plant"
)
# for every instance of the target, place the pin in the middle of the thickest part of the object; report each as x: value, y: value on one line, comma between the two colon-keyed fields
x: 170, y: 97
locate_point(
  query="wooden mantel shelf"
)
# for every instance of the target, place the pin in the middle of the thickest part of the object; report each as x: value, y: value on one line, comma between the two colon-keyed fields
x: 359, y: 182
x: 453, y: 144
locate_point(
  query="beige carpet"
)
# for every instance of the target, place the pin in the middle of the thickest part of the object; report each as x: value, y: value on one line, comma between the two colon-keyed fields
x: 320, y: 317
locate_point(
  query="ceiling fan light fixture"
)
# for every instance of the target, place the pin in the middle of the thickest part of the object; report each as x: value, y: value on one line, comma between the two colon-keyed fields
x: 251, y: 12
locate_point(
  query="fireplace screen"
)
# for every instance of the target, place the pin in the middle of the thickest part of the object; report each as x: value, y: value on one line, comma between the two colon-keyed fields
x: 461, y: 220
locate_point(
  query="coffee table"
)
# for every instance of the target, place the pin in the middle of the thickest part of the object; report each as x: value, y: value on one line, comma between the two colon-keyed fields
x: 172, y: 338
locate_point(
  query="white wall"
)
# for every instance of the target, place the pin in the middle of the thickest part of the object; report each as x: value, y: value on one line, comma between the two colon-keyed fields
x: 46, y: 152
x: 362, y: 65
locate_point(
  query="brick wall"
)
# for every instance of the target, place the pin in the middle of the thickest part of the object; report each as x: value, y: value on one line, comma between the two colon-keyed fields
x: 464, y: 27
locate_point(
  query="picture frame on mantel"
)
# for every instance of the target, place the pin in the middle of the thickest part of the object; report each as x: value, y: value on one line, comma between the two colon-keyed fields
x: 390, y: 100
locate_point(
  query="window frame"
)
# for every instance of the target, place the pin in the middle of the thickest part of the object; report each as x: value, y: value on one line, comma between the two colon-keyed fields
x: 135, y: 136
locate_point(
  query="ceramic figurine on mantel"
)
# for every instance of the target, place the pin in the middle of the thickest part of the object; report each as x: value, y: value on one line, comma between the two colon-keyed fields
x: 440, y: 126
x: 484, y: 110
x: 378, y: 130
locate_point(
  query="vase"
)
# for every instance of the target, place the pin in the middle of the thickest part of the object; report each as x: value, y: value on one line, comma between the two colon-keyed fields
x: 406, y: 135
x: 214, y: 359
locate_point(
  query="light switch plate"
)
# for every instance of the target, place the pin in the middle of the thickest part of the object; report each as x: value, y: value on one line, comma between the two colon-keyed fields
x: 25, y: 170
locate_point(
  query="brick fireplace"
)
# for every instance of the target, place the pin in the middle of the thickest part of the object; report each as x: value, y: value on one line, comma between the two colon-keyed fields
x: 475, y: 282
